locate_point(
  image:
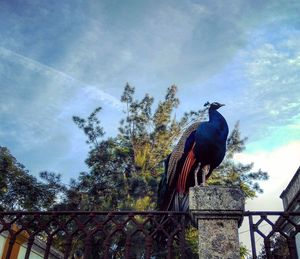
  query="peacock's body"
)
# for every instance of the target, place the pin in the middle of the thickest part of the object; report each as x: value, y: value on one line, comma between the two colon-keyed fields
x: 201, y: 148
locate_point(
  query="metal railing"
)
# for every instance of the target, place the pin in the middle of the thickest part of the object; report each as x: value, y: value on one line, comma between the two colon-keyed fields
x: 131, y: 234
x: 277, y: 230
x: 95, y: 234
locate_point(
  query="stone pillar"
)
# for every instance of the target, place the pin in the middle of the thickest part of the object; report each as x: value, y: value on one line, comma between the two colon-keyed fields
x: 217, y: 212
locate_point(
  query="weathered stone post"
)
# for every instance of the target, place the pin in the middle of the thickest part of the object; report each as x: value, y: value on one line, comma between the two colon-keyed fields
x: 217, y: 211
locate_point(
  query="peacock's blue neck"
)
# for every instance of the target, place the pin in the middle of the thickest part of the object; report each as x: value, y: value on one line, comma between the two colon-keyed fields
x: 216, y: 118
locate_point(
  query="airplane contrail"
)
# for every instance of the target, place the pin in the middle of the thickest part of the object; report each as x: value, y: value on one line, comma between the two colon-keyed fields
x: 39, y: 67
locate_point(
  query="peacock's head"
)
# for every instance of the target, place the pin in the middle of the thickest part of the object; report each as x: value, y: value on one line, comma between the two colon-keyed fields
x: 214, y: 105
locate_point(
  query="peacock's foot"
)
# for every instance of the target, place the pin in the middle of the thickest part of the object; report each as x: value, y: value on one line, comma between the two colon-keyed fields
x: 204, y: 171
x: 196, y: 174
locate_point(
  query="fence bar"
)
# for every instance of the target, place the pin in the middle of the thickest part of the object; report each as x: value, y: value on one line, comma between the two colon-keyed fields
x: 10, y: 247
x: 29, y: 246
x: 283, y: 226
x: 182, y: 239
x: 253, y: 245
x: 292, y: 247
x: 59, y: 234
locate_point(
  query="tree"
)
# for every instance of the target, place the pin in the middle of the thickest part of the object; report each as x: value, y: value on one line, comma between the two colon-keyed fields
x: 21, y: 191
x: 125, y: 169
x: 244, y: 252
x: 278, y: 248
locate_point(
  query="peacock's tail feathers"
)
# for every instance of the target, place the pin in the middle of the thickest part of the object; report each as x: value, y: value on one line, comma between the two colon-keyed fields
x: 187, y: 166
x: 178, y: 152
x: 181, y: 202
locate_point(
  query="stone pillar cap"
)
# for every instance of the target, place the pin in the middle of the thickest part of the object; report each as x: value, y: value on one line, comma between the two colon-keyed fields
x: 216, y: 202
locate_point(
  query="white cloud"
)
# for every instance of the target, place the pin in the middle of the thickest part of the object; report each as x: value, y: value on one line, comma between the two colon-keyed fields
x: 39, y: 117
x: 93, y: 92
x: 281, y: 164
x: 56, y: 75
x: 31, y: 64
x: 74, y: 57
x: 270, y: 97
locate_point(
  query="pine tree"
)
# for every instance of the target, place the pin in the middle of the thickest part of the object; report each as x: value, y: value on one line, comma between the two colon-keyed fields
x: 19, y: 190
x: 278, y: 248
x: 124, y: 170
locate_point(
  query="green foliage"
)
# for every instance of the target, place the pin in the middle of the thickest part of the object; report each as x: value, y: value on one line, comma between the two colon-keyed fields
x: 191, y: 237
x: 91, y: 127
x: 21, y: 191
x: 278, y: 248
x: 124, y: 170
x: 244, y: 252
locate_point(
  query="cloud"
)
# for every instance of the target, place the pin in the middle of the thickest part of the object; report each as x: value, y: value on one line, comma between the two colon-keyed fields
x: 281, y: 163
x: 273, y: 92
x: 262, y: 86
x: 37, y: 105
x: 47, y: 71
x: 67, y: 58
x: 170, y: 41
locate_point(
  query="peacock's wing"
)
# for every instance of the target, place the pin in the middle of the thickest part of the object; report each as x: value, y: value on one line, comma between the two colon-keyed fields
x: 183, y: 146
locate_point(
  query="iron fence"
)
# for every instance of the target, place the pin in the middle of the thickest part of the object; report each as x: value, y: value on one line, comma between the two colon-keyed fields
x: 133, y: 234
x: 277, y: 230
x: 95, y: 234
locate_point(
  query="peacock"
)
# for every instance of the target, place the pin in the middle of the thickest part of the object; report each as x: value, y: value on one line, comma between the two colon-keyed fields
x: 199, y: 151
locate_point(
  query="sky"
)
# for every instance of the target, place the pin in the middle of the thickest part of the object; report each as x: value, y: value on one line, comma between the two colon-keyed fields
x: 65, y: 58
